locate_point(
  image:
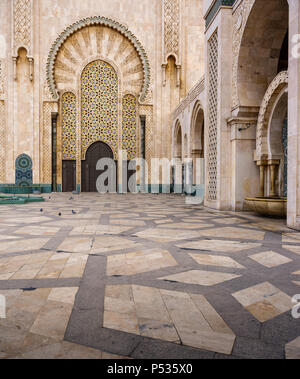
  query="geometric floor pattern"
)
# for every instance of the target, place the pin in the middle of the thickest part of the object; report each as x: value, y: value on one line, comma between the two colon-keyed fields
x: 145, y: 276
x: 264, y: 301
x: 173, y: 316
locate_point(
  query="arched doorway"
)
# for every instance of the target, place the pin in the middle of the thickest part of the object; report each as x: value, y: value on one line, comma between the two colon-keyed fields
x: 197, y: 141
x: 89, y: 174
x: 177, y: 172
x: 99, y: 96
x: 68, y: 176
x: 178, y: 141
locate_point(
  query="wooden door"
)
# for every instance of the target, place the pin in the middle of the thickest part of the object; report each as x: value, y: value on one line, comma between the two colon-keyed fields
x: 69, y: 176
x: 88, y: 169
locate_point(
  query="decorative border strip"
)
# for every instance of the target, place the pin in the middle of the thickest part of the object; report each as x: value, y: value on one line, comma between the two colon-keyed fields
x: 191, y: 96
x: 13, y: 189
x: 103, y: 21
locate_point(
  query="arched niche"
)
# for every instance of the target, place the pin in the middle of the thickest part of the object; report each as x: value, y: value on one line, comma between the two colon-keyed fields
x: 178, y: 141
x: 270, y: 152
x: 197, y: 138
x: 197, y: 131
x: 270, y: 100
x: 261, y: 50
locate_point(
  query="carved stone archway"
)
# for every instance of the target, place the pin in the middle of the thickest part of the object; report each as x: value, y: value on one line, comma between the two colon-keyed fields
x: 90, y: 40
x: 279, y: 83
x: 269, y: 164
x: 197, y: 136
x: 97, y: 36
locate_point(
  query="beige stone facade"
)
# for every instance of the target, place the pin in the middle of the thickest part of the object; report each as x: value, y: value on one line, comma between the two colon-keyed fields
x: 250, y: 105
x: 153, y: 47
x: 183, y: 79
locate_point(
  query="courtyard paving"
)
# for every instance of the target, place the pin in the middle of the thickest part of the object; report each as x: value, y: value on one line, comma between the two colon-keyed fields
x: 145, y: 276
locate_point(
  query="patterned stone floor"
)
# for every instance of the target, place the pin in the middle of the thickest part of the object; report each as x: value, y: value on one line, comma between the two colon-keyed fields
x: 145, y: 276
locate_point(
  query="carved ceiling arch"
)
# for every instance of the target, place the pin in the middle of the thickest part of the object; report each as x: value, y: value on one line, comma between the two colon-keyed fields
x: 98, y: 37
x: 259, y: 30
x: 279, y: 83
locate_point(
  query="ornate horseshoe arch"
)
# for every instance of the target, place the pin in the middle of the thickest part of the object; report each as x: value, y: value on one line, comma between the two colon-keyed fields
x: 276, y: 86
x: 82, y: 38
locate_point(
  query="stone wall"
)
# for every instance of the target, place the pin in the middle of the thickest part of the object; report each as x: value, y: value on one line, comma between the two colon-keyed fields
x: 29, y: 32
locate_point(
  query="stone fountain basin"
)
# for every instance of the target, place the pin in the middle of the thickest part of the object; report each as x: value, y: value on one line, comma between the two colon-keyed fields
x: 271, y: 207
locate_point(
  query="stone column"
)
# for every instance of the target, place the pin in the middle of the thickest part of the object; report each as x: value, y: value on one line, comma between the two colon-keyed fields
x: 245, y: 174
x: 293, y: 206
x: 274, y: 165
x: 188, y: 175
x: 262, y: 170
x: 218, y: 100
x: 177, y: 167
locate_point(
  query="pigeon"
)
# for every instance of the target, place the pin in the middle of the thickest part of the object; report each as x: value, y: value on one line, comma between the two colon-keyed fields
x: 59, y: 214
x: 74, y: 213
x: 71, y: 198
x: 41, y: 210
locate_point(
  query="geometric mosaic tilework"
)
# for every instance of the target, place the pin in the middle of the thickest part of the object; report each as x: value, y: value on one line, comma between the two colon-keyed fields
x: 23, y: 170
x: 46, y: 166
x: 212, y: 115
x: 69, y: 126
x: 99, y: 106
x: 147, y: 111
x: 129, y: 126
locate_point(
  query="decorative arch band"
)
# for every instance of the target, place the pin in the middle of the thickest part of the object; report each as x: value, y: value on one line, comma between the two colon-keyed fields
x: 102, y: 21
x: 277, y: 85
